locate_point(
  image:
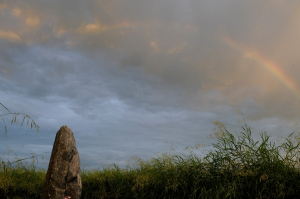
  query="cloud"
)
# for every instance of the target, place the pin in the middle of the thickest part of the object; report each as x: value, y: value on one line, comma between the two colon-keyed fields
x: 128, y: 75
x: 175, y: 49
x: 10, y: 36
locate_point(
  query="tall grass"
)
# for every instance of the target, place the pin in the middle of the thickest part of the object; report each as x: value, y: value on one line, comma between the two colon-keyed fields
x: 236, y: 167
x: 20, y: 180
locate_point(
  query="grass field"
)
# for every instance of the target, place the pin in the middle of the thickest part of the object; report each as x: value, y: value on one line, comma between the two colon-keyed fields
x: 236, y: 167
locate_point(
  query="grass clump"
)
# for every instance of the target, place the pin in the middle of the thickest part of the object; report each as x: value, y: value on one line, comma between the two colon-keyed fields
x: 248, y: 169
x: 20, y: 181
x: 237, y: 167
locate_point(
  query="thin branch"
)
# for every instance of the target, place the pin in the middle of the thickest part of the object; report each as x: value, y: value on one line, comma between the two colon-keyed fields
x: 4, y: 107
x: 15, y: 120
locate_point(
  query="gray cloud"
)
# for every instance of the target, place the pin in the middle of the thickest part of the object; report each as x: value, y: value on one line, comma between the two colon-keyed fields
x: 128, y: 75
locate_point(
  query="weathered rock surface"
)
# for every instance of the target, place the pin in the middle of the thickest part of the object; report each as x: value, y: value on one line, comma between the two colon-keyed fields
x: 64, y: 175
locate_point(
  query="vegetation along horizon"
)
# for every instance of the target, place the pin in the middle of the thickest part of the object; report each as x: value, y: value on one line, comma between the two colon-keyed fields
x: 237, y: 166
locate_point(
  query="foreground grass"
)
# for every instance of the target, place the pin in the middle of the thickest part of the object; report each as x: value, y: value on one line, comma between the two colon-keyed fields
x: 237, y: 167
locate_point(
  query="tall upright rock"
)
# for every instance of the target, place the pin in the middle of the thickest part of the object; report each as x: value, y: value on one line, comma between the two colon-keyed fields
x: 64, y: 175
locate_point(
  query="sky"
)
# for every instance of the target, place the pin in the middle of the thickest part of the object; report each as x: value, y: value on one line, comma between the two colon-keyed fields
x: 133, y: 78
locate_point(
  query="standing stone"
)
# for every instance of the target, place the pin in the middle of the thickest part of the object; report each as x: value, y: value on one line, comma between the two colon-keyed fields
x: 64, y: 175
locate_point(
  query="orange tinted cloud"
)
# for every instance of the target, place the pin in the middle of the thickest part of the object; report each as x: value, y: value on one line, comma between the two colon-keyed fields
x: 10, y: 36
x: 33, y: 21
x: 92, y: 28
x: 3, y: 5
x: 16, y: 12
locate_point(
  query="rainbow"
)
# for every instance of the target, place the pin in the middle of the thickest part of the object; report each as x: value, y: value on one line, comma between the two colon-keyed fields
x: 264, y: 62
